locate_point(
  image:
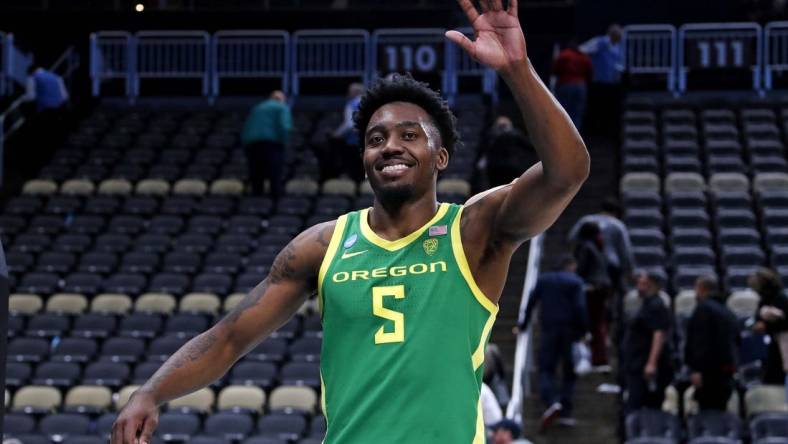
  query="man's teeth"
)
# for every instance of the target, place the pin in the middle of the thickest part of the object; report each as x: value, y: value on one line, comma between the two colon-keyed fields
x: 395, y: 167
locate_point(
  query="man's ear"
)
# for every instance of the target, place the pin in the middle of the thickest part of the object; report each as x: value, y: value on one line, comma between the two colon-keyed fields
x: 442, y: 160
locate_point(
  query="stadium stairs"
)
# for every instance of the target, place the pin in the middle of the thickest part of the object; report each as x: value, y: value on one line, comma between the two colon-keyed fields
x: 596, y: 413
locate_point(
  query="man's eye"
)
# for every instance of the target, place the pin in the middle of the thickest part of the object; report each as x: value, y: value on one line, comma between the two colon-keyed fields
x: 409, y: 136
x: 374, y: 140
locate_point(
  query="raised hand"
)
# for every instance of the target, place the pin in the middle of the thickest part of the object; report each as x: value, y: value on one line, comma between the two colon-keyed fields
x: 499, y: 41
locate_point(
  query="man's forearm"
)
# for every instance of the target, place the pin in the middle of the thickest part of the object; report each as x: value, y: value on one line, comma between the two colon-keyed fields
x: 198, y: 363
x: 554, y: 136
x: 656, y: 347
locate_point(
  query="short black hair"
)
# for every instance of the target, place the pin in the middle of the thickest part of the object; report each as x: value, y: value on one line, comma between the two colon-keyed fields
x: 404, y: 88
x: 563, y: 262
x: 610, y: 205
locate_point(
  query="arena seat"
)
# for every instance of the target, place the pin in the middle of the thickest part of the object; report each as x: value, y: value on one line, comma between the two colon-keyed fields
x: 652, y: 423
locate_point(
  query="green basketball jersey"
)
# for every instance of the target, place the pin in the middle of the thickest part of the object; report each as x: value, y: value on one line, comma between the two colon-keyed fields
x: 404, y: 332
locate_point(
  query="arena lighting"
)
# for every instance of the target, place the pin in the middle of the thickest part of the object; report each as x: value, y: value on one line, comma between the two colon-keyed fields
x: 139, y: 7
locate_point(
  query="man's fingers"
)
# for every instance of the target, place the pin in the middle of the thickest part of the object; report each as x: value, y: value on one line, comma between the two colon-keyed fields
x: 129, y: 432
x: 470, y: 10
x: 512, y: 8
x: 460, y: 39
x: 114, y: 439
x: 147, y: 430
x: 496, y: 5
x: 485, y: 5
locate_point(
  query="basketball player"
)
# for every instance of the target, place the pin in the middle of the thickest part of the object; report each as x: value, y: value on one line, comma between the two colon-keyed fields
x: 409, y: 288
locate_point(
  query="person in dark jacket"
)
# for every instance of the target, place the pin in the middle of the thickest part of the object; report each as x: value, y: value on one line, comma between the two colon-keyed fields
x: 772, y: 318
x: 563, y: 320
x: 712, y: 344
x: 507, y: 153
x: 592, y: 268
x: 647, y: 365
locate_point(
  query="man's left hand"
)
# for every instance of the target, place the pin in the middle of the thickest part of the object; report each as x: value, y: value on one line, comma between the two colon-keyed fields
x: 499, y: 42
x: 650, y: 371
x: 696, y: 379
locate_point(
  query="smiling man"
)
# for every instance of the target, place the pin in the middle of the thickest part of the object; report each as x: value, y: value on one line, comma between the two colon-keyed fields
x: 409, y: 288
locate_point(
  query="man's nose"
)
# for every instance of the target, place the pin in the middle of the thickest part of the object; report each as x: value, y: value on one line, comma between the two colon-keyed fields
x: 392, y: 147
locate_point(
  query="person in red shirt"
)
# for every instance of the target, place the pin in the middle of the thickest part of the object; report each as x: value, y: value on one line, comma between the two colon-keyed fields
x: 573, y: 71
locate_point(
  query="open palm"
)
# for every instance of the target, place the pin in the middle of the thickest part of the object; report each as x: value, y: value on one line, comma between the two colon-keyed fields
x: 499, y: 37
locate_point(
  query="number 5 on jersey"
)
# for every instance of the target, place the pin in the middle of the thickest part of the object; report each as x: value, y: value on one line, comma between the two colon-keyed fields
x: 398, y: 335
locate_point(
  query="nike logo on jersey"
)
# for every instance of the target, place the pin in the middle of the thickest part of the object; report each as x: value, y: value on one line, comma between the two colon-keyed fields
x: 348, y: 254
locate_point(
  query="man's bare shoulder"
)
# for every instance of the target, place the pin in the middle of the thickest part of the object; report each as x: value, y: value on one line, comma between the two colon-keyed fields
x: 301, y: 258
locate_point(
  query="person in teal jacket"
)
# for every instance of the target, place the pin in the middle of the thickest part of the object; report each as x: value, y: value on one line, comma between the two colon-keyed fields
x: 264, y: 138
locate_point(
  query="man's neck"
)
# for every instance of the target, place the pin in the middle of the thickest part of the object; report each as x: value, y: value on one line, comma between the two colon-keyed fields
x: 396, y: 222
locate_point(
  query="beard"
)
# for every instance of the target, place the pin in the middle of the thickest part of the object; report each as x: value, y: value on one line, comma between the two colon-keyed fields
x: 393, y: 196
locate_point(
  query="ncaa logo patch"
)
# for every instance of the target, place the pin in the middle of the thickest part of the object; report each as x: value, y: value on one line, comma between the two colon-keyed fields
x: 430, y: 246
x: 350, y: 241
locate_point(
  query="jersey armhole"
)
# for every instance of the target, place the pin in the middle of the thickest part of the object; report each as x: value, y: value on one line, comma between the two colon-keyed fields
x: 333, y: 245
x: 465, y: 269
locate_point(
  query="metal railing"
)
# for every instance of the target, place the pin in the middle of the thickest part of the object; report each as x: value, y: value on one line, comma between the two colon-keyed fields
x: 720, y: 45
x: 651, y: 49
x: 521, y: 385
x: 3, y: 61
x: 112, y: 56
x: 12, y: 119
x: 355, y: 54
x: 251, y: 54
x: 319, y: 53
x: 173, y: 55
x: 465, y: 66
x: 775, y: 51
x: 13, y: 65
x: 418, y: 50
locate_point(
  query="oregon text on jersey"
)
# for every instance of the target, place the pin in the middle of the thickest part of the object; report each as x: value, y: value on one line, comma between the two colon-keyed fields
x: 433, y: 267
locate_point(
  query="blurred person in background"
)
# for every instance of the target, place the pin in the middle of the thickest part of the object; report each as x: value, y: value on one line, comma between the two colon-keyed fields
x: 508, y: 152
x: 573, y: 71
x: 343, y: 157
x: 647, y: 366
x: 618, y: 248
x: 772, y: 318
x: 563, y: 319
x: 711, y: 346
x: 507, y: 431
x: 264, y: 138
x: 47, y: 101
x: 592, y: 268
x: 605, y: 93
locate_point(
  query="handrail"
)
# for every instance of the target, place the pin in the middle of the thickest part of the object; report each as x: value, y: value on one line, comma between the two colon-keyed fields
x: 69, y: 59
x: 4, y: 134
x: 522, y: 356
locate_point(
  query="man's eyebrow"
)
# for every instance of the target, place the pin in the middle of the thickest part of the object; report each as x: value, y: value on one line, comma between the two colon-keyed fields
x: 404, y: 123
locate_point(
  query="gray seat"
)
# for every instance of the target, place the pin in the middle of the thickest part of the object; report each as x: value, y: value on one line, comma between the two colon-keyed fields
x: 643, y: 218
x: 652, y: 423
x: 646, y: 238
x: 732, y: 200
x: 684, y: 278
x: 691, y: 256
x: 689, y: 237
x: 649, y: 256
x: 738, y: 236
x: 714, y: 424
x: 768, y: 425
x: 688, y: 218
x: 736, y: 277
x: 641, y: 199
x: 742, y: 256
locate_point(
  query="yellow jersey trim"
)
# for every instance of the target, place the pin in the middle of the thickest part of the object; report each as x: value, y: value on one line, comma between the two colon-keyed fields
x: 395, y: 245
x: 465, y: 270
x: 462, y: 262
x: 333, y: 245
x: 480, y: 436
x: 323, y: 396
